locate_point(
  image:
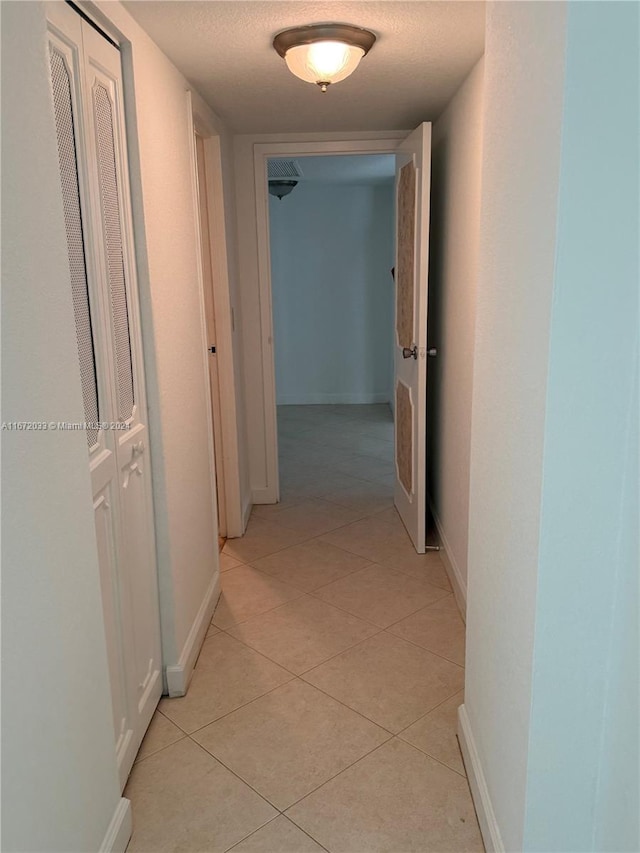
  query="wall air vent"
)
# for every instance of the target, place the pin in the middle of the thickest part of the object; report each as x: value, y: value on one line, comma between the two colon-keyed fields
x: 284, y: 169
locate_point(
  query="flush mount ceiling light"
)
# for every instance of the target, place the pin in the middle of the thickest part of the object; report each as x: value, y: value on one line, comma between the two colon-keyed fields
x: 280, y: 188
x: 323, y: 53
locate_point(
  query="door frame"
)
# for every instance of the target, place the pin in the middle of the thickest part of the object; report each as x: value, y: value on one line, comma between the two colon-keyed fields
x: 262, y: 152
x: 228, y: 490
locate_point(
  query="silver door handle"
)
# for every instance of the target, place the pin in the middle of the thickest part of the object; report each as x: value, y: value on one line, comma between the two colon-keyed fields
x: 410, y: 353
x: 433, y: 352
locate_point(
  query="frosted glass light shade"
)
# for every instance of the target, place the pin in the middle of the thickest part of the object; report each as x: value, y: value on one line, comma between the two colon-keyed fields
x: 323, y: 61
x: 323, y: 53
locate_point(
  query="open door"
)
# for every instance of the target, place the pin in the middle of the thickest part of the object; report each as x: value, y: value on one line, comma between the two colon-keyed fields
x: 413, y: 178
x: 212, y: 337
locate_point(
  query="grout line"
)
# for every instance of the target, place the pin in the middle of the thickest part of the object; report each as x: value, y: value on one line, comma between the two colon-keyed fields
x: 420, y: 609
x: 315, y: 665
x: 424, y: 649
x: 349, y: 707
x: 364, y: 618
x: 335, y: 775
x: 435, y: 708
x: 433, y: 758
x: 228, y: 628
x: 240, y: 707
x: 280, y: 814
x: 264, y: 796
x: 311, y: 592
x: 300, y: 677
x: 252, y: 833
x: 138, y: 761
x: 244, y: 782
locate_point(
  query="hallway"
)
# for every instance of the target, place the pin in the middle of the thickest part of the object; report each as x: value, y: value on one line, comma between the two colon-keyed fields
x: 322, y: 710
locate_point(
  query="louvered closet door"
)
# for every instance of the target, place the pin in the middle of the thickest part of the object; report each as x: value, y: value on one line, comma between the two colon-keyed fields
x: 88, y: 111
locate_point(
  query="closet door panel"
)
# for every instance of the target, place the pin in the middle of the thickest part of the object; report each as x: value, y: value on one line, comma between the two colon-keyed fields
x: 88, y: 113
x: 113, y: 224
x: 65, y: 56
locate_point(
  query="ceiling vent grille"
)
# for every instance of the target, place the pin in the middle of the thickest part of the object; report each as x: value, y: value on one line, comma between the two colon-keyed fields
x: 287, y: 169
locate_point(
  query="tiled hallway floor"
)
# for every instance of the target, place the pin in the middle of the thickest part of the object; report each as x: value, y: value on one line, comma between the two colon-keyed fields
x: 322, y: 710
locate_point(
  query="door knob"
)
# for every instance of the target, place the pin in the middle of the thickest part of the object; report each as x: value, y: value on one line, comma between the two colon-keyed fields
x: 432, y: 352
x: 410, y: 353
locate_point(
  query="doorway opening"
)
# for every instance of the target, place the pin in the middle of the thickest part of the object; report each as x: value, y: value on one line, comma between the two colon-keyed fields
x: 411, y: 157
x: 332, y: 251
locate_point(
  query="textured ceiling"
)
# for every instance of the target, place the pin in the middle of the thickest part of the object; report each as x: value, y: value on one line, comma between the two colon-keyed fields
x: 223, y: 47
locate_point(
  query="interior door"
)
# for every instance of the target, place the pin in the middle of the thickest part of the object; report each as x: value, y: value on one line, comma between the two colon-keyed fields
x: 413, y: 177
x: 89, y: 117
x: 212, y: 337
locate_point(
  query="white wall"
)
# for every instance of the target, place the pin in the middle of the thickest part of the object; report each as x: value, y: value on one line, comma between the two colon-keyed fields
x: 332, y: 250
x: 456, y: 164
x: 524, y: 72
x: 551, y: 694
x: 175, y: 350
x: 60, y: 785
x: 59, y: 778
x: 583, y: 791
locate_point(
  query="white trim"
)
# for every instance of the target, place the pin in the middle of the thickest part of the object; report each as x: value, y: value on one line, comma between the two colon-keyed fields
x: 246, y: 512
x: 320, y: 399
x: 451, y: 567
x: 261, y: 496
x: 331, y: 144
x: 478, y: 784
x: 177, y: 677
x: 120, y: 828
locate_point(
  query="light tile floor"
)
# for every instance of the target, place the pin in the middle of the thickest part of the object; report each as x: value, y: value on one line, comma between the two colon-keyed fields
x: 322, y: 710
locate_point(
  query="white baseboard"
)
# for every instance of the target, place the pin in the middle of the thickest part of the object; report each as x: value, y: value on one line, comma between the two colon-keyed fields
x: 261, y: 496
x: 120, y: 829
x: 331, y: 399
x: 179, y: 675
x: 451, y: 567
x: 246, y: 512
x: 478, y: 784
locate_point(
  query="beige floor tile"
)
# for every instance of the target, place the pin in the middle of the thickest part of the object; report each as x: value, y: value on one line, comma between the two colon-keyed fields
x: 368, y: 468
x: 428, y: 566
x: 279, y: 836
x: 435, y: 733
x: 369, y: 498
x: 290, y: 741
x: 396, y: 800
x: 247, y: 592
x: 212, y: 631
x: 310, y: 565
x: 227, y: 676
x: 315, y: 517
x: 161, y: 732
x: 227, y: 562
x: 261, y: 538
x: 380, y: 595
x: 369, y: 537
x: 183, y: 799
x: 269, y: 512
x: 438, y: 628
x: 390, y: 515
x: 390, y: 681
x: 303, y: 633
